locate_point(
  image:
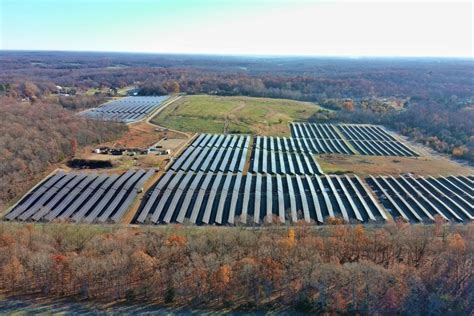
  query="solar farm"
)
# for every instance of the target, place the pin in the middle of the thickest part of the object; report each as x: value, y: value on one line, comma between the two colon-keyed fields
x: 126, y: 110
x: 237, y: 179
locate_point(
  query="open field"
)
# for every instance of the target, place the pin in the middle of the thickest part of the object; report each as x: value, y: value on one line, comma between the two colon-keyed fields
x: 212, y: 114
x: 366, y: 165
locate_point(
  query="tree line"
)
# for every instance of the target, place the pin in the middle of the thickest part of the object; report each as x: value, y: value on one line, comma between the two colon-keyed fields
x: 394, y: 269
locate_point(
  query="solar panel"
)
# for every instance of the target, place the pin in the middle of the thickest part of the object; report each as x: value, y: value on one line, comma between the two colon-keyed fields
x: 200, y: 197
x: 256, y: 158
x: 269, y: 205
x: 34, y: 196
x: 131, y: 196
x: 325, y: 196
x: 212, y: 197
x: 445, y: 188
x: 264, y: 160
x: 448, y: 198
x: 177, y: 196
x: 121, y: 194
x: 258, y: 195
x: 109, y: 195
x: 338, y: 198
x: 349, y: 198
x: 281, y: 201
x: 304, y: 201
x: 197, y: 162
x: 361, y: 199
x: 35, y: 211
x: 71, y: 195
x: 419, y: 195
x: 83, y: 197
x: 369, y: 195
x: 125, y: 110
x: 92, y: 200
x: 407, y: 194
x: 235, y: 197
x: 189, y: 194
x: 246, y: 198
x: 282, y: 163
x: 151, y: 200
x: 225, y: 161
x: 164, y: 198
x: 223, y: 198
x: 314, y: 195
x: 291, y: 193
x: 389, y: 197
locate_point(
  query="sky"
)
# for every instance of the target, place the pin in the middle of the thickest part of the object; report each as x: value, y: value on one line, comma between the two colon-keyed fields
x: 243, y: 27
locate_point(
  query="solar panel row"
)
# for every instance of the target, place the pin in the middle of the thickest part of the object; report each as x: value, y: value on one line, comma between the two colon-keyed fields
x: 214, y: 153
x: 420, y: 199
x: 126, y: 110
x: 266, y: 161
x: 373, y: 140
x: 81, y: 197
x: 320, y: 138
x: 228, y: 198
x: 366, y: 139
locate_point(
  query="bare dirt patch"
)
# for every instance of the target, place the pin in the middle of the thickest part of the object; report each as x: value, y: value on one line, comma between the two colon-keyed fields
x: 365, y: 165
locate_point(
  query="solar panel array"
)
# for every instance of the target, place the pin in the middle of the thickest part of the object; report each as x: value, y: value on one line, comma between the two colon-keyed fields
x: 126, y: 110
x: 214, y: 153
x: 320, y: 138
x: 81, y: 197
x: 229, y: 198
x: 373, y: 140
x: 282, y: 156
x: 420, y: 199
x: 365, y: 139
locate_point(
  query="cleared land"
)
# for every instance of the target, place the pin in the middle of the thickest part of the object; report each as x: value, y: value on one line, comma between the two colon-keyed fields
x: 213, y: 114
x: 366, y: 165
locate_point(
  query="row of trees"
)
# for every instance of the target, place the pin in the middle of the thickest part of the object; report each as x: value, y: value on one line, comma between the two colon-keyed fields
x: 34, y: 137
x: 398, y: 268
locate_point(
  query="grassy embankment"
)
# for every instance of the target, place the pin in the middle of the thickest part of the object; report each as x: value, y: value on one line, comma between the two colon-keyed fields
x: 213, y: 114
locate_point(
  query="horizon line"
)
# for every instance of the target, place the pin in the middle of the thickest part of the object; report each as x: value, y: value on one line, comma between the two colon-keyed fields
x: 239, y: 54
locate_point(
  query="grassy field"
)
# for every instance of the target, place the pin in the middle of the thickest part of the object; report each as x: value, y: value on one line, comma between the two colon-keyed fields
x: 213, y: 114
x: 366, y: 165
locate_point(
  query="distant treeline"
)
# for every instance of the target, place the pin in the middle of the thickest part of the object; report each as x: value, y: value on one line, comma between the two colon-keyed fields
x: 440, y: 91
x: 294, y: 78
x: 397, y: 269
